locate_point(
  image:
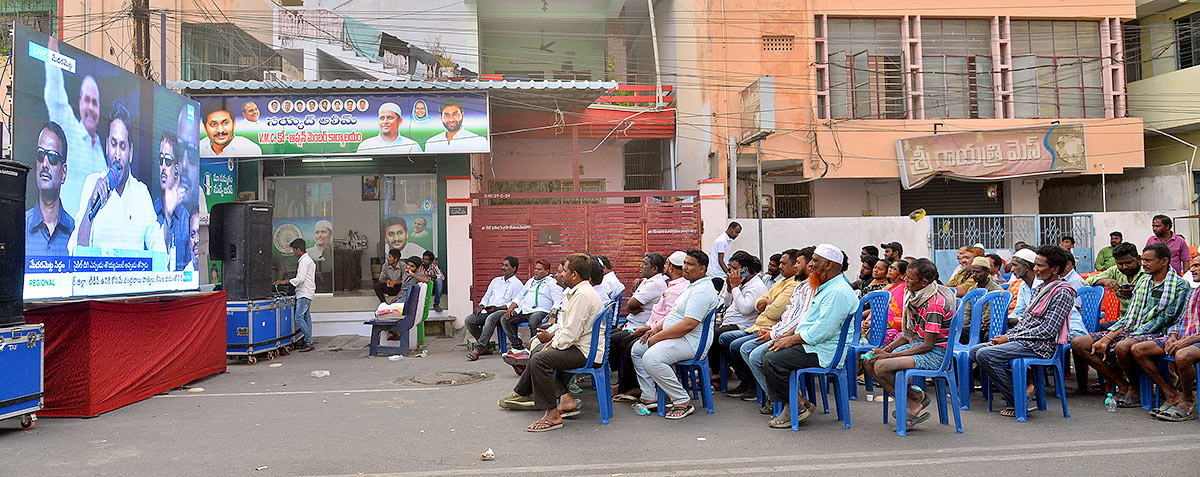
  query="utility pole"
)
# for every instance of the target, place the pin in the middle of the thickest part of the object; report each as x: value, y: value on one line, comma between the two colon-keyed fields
x: 140, y: 11
x: 162, y: 48
x: 757, y: 139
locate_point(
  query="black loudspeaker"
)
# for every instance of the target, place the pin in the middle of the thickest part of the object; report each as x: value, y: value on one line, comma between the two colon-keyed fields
x: 240, y: 236
x: 12, y: 241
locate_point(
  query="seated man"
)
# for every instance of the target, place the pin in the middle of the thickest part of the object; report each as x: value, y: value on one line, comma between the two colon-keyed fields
x: 676, y: 339
x: 567, y: 347
x: 1024, y: 280
x: 392, y: 278
x: 770, y: 308
x: 1120, y: 277
x: 1158, y: 299
x: 816, y: 333
x: 742, y: 288
x: 611, y: 288
x: 1182, y: 343
x: 962, y: 281
x: 648, y: 290
x: 981, y: 274
x: 500, y: 294
x: 1037, y: 334
x: 627, y: 387
x: 928, y: 310
x: 531, y: 306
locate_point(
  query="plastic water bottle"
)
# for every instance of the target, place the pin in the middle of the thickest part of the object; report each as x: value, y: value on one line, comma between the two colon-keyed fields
x: 1110, y: 403
x: 868, y: 355
x: 642, y: 411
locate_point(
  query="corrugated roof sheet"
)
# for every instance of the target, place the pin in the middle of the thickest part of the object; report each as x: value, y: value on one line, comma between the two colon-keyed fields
x: 299, y: 85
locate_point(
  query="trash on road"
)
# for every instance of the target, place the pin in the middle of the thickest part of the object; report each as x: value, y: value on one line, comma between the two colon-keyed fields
x: 320, y: 373
x: 489, y: 455
x: 394, y: 357
x: 276, y: 365
x: 196, y: 390
x: 261, y: 468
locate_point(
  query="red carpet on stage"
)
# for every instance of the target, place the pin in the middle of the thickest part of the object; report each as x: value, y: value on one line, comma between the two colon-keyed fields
x: 101, y: 355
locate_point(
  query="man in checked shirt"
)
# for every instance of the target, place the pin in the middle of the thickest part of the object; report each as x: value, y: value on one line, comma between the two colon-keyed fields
x: 1037, y: 334
x: 1158, y: 299
x: 1183, y: 344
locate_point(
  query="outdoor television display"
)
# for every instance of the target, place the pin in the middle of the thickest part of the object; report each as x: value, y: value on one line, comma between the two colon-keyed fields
x: 113, y: 203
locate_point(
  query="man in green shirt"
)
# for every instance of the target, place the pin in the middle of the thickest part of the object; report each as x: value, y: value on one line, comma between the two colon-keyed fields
x: 1104, y: 259
x: 1120, y: 277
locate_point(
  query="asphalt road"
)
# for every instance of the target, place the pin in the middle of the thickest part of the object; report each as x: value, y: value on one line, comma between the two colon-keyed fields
x: 375, y: 416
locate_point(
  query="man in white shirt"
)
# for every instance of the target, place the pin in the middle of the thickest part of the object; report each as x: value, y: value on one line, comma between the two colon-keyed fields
x: 741, y: 292
x: 83, y: 139
x: 389, y: 140
x: 221, y: 141
x: 500, y: 294
x: 611, y: 287
x: 720, y: 254
x: 530, y: 306
x: 396, y: 235
x: 648, y: 292
x: 250, y: 113
x: 455, y: 138
x: 117, y: 213
x: 306, y: 287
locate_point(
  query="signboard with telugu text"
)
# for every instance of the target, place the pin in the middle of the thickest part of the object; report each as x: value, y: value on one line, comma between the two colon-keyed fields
x: 993, y: 154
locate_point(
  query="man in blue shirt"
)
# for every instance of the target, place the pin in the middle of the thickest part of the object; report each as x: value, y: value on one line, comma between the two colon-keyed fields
x: 173, y: 216
x: 47, y: 225
x: 817, y: 333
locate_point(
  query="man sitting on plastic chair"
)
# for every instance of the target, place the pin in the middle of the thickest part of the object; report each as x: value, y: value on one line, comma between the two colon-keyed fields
x: 1158, y: 299
x: 928, y: 311
x: 814, y: 339
x: 530, y: 306
x: 564, y: 348
x: 1183, y: 345
x: 675, y: 339
x: 1037, y: 334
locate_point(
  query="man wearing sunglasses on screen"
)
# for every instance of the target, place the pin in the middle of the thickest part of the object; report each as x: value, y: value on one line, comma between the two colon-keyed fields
x: 47, y: 225
x: 173, y: 217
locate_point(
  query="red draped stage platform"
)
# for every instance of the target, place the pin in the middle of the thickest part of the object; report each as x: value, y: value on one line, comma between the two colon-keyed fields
x: 101, y: 355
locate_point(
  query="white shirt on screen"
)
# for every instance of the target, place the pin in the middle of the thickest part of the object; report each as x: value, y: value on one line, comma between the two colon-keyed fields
x: 85, y: 154
x: 238, y: 147
x: 378, y: 145
x: 463, y: 141
x: 125, y: 222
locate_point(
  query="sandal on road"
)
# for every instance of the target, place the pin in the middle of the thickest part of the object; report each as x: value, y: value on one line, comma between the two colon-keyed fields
x: 574, y: 411
x: 1159, y: 410
x: 912, y: 420
x: 623, y: 397
x: 925, y: 401
x: 1127, y: 402
x: 542, y: 426
x: 680, y: 412
x: 1175, y: 414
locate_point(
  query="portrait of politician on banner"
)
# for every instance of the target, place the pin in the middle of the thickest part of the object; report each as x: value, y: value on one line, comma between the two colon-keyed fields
x: 340, y: 124
x: 114, y: 174
x: 992, y: 154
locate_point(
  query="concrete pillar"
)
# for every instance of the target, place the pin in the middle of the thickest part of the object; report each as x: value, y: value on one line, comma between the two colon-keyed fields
x: 311, y: 72
x: 1021, y: 196
x: 458, y: 264
x: 713, y: 213
x: 615, y: 30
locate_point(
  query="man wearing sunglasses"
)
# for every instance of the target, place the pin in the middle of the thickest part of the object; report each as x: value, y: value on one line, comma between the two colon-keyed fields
x: 48, y: 226
x: 173, y: 217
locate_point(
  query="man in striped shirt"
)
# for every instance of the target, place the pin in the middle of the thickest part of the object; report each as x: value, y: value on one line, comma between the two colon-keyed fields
x: 1182, y: 343
x: 1037, y: 334
x: 1158, y: 299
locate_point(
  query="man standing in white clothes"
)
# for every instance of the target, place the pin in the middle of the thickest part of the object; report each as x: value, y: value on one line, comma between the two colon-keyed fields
x: 83, y: 138
x: 306, y: 287
x: 720, y: 254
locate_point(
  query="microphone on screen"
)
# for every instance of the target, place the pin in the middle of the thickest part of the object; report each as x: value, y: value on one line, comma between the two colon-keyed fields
x: 112, y: 181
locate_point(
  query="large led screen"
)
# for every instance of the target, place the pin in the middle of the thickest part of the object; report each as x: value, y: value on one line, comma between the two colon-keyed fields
x: 112, y: 202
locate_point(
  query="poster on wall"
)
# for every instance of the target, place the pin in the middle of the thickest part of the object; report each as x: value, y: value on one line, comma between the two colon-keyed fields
x: 411, y: 233
x: 341, y: 124
x: 113, y: 204
x: 317, y: 233
x: 218, y: 184
x: 993, y: 154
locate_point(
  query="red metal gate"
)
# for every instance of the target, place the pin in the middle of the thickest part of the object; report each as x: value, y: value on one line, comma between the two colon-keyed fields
x: 623, y: 232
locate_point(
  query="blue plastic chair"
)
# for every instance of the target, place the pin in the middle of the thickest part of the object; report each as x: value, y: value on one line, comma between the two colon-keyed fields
x: 879, y: 300
x: 1090, y: 299
x: 599, y: 371
x: 693, y: 373
x: 944, y: 378
x: 843, y: 381
x: 1020, y: 370
x: 997, y: 303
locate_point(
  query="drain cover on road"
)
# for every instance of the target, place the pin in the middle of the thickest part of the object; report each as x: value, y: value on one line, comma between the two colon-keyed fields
x: 444, y: 378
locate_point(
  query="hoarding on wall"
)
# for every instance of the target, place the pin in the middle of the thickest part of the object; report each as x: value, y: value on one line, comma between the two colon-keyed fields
x: 993, y: 154
x: 369, y: 124
x: 113, y: 204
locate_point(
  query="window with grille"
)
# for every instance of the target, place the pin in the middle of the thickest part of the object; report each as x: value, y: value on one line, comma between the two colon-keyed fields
x: 777, y: 42
x: 643, y: 166
x: 1133, y: 52
x: 956, y: 68
x: 793, y: 200
x: 1056, y: 69
x: 866, y: 75
x: 1187, y: 40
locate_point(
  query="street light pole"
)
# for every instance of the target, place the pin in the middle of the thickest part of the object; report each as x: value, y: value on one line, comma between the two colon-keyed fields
x: 757, y: 139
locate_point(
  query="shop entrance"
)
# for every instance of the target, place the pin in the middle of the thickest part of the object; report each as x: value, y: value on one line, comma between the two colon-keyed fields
x: 523, y: 225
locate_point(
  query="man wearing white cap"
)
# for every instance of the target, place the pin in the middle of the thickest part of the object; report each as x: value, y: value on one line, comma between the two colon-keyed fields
x: 389, y: 140
x: 817, y: 332
x: 323, y: 235
x: 1024, y: 281
x: 622, y: 343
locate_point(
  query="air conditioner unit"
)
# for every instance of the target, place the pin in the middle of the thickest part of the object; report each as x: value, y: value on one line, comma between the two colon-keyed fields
x: 275, y: 75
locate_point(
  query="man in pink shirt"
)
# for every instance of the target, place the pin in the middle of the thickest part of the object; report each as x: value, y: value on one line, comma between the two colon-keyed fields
x: 627, y: 389
x: 1181, y: 255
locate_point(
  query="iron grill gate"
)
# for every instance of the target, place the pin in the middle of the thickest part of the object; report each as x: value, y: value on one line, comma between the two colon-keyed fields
x: 999, y: 233
x: 623, y: 232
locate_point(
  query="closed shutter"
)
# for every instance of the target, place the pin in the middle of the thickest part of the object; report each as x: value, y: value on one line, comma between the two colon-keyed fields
x: 950, y: 197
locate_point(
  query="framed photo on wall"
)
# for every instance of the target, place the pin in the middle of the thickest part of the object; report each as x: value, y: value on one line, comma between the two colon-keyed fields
x: 370, y: 187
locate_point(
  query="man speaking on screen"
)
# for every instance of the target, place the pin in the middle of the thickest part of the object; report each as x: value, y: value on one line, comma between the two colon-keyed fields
x: 116, y: 212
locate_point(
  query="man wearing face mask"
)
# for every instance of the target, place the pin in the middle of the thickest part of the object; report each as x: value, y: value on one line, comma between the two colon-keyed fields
x: 173, y: 217
x: 47, y: 225
x: 117, y: 211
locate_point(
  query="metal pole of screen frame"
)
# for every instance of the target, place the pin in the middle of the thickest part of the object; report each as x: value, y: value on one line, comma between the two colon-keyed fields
x: 756, y: 139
